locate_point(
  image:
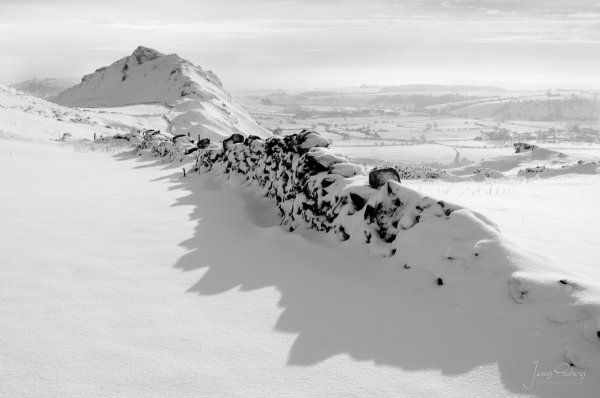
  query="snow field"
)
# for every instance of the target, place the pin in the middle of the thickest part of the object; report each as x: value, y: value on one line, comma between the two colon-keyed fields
x: 449, y: 243
x: 549, y: 217
x: 91, y: 306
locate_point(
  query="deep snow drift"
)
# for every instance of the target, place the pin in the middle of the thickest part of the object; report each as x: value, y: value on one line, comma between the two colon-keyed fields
x: 314, y: 187
x: 556, y: 218
x: 90, y: 304
x: 199, y: 103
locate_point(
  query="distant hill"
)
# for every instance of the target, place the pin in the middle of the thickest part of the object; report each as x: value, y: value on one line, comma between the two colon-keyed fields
x: 572, y: 108
x: 44, y: 88
x: 429, y: 88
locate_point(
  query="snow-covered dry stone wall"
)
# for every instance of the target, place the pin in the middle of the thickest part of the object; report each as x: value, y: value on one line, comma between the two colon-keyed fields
x: 581, y: 167
x: 314, y: 187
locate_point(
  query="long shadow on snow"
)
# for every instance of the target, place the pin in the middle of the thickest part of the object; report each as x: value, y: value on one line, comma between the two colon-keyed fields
x: 148, y: 160
x: 342, y: 300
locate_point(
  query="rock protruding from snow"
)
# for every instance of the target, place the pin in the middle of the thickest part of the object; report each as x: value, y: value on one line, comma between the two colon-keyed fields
x: 481, y: 173
x: 199, y: 104
x: 521, y: 147
x: 378, y: 177
x: 144, y: 54
x: 234, y: 139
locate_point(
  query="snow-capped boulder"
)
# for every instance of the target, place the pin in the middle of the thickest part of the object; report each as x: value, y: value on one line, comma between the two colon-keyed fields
x: 348, y: 169
x: 323, y: 158
x: 234, y: 139
x: 313, y: 140
x: 378, y: 177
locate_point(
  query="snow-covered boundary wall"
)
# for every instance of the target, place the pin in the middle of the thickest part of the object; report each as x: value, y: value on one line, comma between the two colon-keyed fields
x: 315, y: 187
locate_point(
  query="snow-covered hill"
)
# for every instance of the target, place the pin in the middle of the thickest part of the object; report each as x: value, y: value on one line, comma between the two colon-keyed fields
x: 23, y: 116
x: 44, y: 88
x: 200, y: 105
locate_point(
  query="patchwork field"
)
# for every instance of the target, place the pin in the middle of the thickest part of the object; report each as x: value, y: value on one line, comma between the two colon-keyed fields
x: 376, y: 125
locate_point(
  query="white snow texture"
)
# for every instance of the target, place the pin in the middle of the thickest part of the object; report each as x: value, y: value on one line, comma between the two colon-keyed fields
x: 314, y: 187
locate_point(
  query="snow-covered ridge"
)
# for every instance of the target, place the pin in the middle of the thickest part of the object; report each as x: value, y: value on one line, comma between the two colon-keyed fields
x: 199, y: 104
x: 317, y: 188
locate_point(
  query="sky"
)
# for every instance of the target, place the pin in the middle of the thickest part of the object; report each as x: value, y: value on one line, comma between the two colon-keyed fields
x: 252, y: 44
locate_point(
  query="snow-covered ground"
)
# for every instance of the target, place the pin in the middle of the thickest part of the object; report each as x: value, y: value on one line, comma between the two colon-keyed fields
x: 556, y: 217
x: 407, y: 154
x: 23, y: 116
x: 120, y: 278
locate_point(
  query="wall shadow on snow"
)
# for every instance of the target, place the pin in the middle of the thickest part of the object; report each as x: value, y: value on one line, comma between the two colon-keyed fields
x: 342, y: 300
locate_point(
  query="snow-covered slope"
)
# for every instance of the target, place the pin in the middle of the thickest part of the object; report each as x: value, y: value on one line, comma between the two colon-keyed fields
x: 200, y: 105
x: 316, y: 188
x: 93, y: 301
x: 23, y: 116
x: 44, y: 88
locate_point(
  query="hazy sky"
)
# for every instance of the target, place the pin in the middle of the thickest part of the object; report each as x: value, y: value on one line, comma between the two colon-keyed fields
x: 310, y: 43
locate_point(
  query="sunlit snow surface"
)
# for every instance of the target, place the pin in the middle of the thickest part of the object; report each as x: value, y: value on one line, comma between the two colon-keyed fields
x: 94, y: 301
x: 121, y: 278
x: 556, y: 217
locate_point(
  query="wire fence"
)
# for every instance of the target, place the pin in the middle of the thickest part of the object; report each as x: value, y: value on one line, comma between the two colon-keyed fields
x: 101, y: 146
